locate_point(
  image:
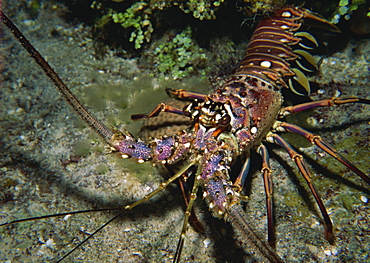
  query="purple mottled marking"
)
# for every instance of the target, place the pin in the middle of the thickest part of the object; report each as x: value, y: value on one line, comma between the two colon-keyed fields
x: 182, y: 148
x: 138, y: 150
x: 203, y: 137
x: 199, y: 139
x: 240, y: 116
x: 211, y: 166
x: 244, y: 136
x: 216, y: 191
x: 164, y: 148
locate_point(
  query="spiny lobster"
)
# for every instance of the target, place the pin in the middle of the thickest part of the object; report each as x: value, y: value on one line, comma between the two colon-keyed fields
x: 237, y: 117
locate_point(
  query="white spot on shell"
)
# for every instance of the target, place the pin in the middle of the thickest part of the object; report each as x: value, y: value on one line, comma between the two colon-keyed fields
x: 254, y: 130
x: 286, y: 14
x: 284, y: 27
x: 265, y: 64
x: 229, y: 191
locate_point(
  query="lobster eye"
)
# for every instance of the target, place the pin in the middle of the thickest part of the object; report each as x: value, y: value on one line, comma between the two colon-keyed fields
x: 225, y: 120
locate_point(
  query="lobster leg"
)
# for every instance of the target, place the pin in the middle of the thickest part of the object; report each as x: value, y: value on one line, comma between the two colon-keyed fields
x: 321, y: 103
x: 188, y: 211
x: 160, y: 108
x: 298, y: 159
x: 185, y: 94
x: 194, y: 222
x: 316, y: 139
x: 240, y: 180
x: 266, y: 171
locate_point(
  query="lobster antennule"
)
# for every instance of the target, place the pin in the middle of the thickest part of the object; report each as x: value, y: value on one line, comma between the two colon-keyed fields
x: 277, y: 48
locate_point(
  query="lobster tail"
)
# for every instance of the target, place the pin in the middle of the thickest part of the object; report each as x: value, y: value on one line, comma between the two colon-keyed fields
x: 278, y: 51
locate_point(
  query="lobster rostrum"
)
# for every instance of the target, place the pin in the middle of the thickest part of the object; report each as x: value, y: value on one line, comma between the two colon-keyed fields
x: 235, y: 118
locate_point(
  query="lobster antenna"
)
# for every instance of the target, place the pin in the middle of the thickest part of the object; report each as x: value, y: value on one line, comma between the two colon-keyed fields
x: 89, y: 118
x: 61, y: 214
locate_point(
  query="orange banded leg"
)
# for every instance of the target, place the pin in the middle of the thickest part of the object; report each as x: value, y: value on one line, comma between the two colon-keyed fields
x: 185, y: 94
x: 267, y: 182
x: 176, y: 93
x: 160, y: 108
x: 298, y: 159
x: 316, y: 139
x: 321, y: 103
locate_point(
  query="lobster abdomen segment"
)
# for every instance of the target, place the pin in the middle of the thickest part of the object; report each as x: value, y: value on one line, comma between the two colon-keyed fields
x: 277, y: 51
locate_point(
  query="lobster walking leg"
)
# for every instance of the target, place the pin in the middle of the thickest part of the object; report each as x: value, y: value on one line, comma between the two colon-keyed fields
x: 267, y: 182
x: 321, y: 103
x: 180, y: 244
x: 160, y: 108
x: 301, y: 164
x: 316, y: 139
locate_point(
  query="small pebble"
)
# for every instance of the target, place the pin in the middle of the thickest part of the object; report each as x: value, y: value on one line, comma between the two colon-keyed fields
x: 337, y: 93
x: 321, y: 91
x: 29, y: 22
x: 364, y: 199
x: 206, y: 242
x: 334, y: 252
